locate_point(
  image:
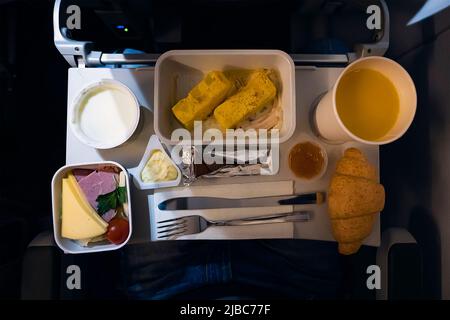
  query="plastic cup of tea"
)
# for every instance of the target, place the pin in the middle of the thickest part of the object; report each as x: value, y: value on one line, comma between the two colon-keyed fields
x: 328, y: 123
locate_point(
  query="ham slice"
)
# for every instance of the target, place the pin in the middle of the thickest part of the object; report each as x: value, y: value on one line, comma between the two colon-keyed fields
x: 98, y: 183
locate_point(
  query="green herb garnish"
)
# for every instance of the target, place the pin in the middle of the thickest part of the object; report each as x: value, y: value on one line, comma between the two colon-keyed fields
x: 112, y: 200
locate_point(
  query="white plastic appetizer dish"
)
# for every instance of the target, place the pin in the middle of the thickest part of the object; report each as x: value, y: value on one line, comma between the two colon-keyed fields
x: 83, y: 218
x: 154, y: 145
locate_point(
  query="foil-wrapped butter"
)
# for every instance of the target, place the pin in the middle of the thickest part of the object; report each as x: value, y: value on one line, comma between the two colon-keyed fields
x: 234, y: 163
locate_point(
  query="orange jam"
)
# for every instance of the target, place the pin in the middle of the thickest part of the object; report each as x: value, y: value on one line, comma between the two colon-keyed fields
x: 306, y: 160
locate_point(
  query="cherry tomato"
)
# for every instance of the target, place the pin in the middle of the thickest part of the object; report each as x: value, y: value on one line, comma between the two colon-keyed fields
x: 118, y: 229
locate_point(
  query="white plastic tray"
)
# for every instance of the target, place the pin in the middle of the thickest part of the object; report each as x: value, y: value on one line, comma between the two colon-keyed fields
x: 310, y: 83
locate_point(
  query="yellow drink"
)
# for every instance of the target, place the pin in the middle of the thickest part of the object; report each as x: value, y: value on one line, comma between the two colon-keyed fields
x: 367, y: 103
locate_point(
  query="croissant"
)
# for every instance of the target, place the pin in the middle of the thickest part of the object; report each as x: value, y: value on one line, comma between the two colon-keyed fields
x: 354, y: 199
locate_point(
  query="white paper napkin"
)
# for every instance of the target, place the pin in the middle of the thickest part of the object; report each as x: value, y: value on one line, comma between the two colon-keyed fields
x: 234, y: 191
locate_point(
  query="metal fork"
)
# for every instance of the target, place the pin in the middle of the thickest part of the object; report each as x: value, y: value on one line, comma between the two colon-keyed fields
x: 196, y: 224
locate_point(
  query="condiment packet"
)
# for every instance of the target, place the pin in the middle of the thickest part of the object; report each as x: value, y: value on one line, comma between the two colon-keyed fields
x: 243, y: 162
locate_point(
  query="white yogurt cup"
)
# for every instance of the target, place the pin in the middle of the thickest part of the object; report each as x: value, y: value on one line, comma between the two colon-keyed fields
x: 104, y: 114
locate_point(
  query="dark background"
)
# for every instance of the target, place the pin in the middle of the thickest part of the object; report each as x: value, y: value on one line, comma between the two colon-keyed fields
x: 33, y: 85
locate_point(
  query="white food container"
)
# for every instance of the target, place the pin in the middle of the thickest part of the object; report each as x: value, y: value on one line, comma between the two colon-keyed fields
x: 178, y: 71
x: 71, y: 246
x: 76, y: 110
x: 153, y: 144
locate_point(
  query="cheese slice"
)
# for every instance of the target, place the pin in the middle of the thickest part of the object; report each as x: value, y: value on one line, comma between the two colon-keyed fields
x: 84, y: 201
x: 79, y: 219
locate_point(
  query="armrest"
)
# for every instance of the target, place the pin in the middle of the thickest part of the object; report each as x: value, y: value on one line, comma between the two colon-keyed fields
x: 44, y: 273
x: 400, y: 260
x: 40, y: 270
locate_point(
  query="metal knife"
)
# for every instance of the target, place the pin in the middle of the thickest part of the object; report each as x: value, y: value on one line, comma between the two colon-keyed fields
x: 199, y: 203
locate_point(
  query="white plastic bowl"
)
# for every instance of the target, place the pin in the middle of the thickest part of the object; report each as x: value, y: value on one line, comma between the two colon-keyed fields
x: 74, y: 114
x: 177, y: 72
x: 70, y: 246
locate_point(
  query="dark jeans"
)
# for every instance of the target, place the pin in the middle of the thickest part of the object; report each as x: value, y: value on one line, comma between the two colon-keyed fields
x: 300, y: 269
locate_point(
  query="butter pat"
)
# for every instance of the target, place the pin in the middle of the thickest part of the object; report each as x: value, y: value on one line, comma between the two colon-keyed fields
x: 202, y: 99
x: 258, y: 92
x: 79, y: 220
x: 158, y: 168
